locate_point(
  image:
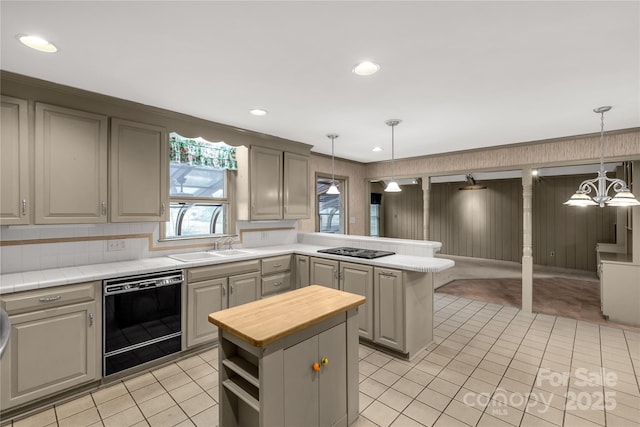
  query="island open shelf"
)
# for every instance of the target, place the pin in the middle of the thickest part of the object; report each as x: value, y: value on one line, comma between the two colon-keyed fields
x: 290, y: 360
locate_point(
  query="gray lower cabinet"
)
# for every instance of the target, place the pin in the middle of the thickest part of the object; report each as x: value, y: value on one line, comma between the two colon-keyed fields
x: 324, y: 272
x: 389, y: 308
x: 216, y: 287
x: 349, y: 277
x: 276, y: 274
x: 244, y: 288
x: 301, y: 271
x: 358, y: 279
x: 203, y: 298
x: 316, y: 398
x: 54, y: 344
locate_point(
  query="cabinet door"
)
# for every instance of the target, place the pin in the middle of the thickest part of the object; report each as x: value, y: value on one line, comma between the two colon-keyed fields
x: 358, y: 279
x: 296, y: 186
x: 244, y: 288
x: 302, y: 271
x: 389, y: 308
x: 50, y: 351
x: 324, y: 272
x: 266, y: 183
x: 204, y: 298
x: 316, y: 398
x: 14, y: 162
x: 70, y: 166
x: 139, y: 172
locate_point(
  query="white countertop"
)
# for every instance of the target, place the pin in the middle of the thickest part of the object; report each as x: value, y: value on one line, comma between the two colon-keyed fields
x: 16, y: 282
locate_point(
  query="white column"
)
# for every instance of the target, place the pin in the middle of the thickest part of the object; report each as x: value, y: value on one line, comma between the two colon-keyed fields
x: 527, y: 240
x: 635, y: 212
x: 426, y: 187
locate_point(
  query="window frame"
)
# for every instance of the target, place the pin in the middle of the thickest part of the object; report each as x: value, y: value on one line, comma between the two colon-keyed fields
x: 227, y: 202
x: 344, y: 192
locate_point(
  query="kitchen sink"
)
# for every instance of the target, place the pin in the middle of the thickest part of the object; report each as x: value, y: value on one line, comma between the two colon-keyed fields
x: 194, y: 256
x: 231, y: 252
x: 199, y: 256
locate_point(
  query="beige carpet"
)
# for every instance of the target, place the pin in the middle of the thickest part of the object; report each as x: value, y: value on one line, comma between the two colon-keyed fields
x: 557, y: 296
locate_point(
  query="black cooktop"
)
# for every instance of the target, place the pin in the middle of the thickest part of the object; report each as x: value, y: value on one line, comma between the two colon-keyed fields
x: 357, y: 252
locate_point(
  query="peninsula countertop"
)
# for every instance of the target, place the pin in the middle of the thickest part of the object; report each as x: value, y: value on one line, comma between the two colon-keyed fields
x: 38, y: 279
x: 261, y: 322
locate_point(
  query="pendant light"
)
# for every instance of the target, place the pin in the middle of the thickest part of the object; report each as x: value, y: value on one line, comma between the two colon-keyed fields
x: 393, y: 186
x: 333, y: 189
x: 602, y: 184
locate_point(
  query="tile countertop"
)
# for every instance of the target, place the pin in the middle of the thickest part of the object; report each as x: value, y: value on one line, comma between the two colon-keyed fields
x: 16, y: 282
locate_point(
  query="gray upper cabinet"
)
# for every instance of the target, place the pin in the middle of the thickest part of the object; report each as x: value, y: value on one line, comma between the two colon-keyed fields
x: 272, y: 184
x: 296, y: 186
x: 15, y: 203
x: 70, y: 166
x: 266, y: 183
x: 138, y: 172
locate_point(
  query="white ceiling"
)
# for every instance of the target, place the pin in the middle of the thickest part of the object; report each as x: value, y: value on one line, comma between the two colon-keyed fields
x: 460, y: 75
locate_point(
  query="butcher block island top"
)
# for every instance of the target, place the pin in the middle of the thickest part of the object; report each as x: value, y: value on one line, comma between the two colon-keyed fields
x: 265, y: 321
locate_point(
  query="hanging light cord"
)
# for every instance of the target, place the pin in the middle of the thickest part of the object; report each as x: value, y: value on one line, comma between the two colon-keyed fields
x: 602, y: 141
x: 393, y: 169
x: 333, y: 169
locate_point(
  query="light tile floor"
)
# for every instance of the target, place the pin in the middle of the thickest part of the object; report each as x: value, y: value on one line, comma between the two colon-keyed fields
x: 490, y: 365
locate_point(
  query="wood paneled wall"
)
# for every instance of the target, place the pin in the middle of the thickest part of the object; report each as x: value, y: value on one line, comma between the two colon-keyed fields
x: 570, y: 233
x: 402, y: 213
x: 478, y: 223
x: 488, y: 223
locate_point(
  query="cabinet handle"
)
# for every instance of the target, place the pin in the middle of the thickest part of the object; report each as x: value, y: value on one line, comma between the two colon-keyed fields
x: 277, y: 265
x: 277, y: 284
x: 302, y: 260
x: 316, y: 367
x: 24, y: 207
x: 103, y: 208
x: 324, y: 361
x: 162, y: 209
x: 90, y: 319
x: 388, y: 273
x: 50, y: 299
x: 230, y: 289
x: 224, y: 291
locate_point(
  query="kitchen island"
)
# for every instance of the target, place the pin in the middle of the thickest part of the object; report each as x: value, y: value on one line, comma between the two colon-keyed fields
x: 290, y: 360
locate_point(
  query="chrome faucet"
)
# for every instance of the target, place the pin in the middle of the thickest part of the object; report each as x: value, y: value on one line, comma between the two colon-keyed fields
x: 216, y: 243
x: 228, y: 241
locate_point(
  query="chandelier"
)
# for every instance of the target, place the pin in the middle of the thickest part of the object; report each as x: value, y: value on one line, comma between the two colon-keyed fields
x: 602, y: 184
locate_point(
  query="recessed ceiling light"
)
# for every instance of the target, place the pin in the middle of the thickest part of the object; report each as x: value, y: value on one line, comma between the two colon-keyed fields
x: 377, y: 149
x: 37, y: 43
x: 534, y: 172
x: 365, y: 68
x: 258, y: 112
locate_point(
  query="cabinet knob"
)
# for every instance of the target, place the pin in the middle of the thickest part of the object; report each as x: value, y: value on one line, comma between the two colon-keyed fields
x: 324, y: 361
x: 316, y: 367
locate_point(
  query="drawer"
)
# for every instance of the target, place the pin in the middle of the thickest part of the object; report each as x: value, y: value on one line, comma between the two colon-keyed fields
x: 276, y: 283
x: 222, y: 270
x: 48, y: 298
x: 276, y: 264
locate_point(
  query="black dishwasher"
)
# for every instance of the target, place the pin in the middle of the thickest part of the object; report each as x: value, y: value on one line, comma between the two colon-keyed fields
x: 141, y: 319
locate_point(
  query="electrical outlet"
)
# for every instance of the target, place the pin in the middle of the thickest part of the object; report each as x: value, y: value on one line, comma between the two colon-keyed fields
x: 116, y: 245
x: 552, y: 253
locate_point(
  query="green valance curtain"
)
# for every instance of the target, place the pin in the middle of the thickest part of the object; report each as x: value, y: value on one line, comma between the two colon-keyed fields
x: 199, y: 152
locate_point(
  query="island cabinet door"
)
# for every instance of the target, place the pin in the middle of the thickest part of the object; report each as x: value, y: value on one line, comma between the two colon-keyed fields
x: 324, y: 272
x: 244, y: 288
x: 316, y: 397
